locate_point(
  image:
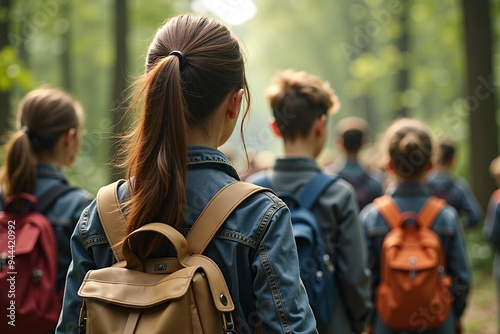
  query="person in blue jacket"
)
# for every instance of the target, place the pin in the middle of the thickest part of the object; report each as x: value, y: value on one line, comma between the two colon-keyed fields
x: 408, y: 145
x: 351, y: 132
x: 47, y: 140
x: 455, y: 190
x: 491, y: 228
x: 301, y: 103
x: 191, y: 94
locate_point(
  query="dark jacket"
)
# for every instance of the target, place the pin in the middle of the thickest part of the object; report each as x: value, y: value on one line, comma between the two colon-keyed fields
x: 367, y: 185
x: 337, y: 213
x: 458, y: 194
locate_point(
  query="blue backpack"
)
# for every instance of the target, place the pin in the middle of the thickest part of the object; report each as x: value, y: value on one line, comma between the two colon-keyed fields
x: 316, y: 267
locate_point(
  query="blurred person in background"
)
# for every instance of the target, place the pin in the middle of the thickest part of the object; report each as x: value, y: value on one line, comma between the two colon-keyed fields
x: 408, y: 145
x: 491, y: 228
x: 454, y: 190
x: 352, y: 137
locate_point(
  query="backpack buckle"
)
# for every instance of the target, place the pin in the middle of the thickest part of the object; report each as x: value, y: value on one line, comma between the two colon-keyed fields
x: 227, y: 319
x: 413, y: 272
x: 3, y: 261
x: 82, y: 321
x: 37, y: 276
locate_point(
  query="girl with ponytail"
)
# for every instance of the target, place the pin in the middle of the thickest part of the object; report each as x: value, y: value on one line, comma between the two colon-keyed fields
x: 188, y: 102
x: 47, y: 140
x: 409, y: 149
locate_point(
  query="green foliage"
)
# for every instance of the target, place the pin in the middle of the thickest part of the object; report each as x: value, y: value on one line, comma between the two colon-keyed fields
x: 39, y: 32
x: 12, y: 71
x: 479, y: 251
x: 351, y: 44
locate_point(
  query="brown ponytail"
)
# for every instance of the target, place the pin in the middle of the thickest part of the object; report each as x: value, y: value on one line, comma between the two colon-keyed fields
x: 44, y: 115
x: 19, y: 173
x: 157, y: 160
x: 179, y: 90
x: 409, y: 147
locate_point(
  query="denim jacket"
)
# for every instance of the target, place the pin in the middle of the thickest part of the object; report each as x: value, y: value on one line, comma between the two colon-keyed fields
x: 63, y: 214
x: 411, y: 197
x: 458, y: 194
x: 254, y: 249
x: 367, y: 184
x: 337, y: 213
x: 491, y: 228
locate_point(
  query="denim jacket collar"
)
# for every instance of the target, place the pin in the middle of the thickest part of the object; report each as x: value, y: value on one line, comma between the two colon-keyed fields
x: 208, y: 157
x: 47, y: 171
x: 409, y: 189
x: 299, y: 163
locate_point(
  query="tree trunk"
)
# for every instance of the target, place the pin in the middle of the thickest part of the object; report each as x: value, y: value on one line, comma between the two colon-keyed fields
x: 66, y: 55
x: 403, y: 45
x: 120, y: 84
x: 5, y: 9
x: 480, y: 99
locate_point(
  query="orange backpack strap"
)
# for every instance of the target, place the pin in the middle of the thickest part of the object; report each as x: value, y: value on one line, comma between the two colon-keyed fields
x: 430, y: 211
x: 388, y: 209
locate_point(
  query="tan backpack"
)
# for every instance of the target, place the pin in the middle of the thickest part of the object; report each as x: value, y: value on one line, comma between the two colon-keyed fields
x: 186, y: 294
x: 414, y: 290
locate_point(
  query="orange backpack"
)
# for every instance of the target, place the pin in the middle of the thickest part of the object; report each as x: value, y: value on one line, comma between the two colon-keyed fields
x: 414, y: 290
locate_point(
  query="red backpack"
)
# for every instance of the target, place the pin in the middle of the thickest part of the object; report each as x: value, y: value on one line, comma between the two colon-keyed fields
x: 414, y: 291
x: 29, y: 300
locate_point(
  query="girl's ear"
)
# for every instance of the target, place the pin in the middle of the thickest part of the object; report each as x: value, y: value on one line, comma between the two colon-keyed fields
x: 274, y: 127
x: 233, y: 105
x: 68, y: 137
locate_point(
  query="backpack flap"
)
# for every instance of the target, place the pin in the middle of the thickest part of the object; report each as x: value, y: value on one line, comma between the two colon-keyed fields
x: 184, y: 259
x: 119, y: 286
x: 26, y: 240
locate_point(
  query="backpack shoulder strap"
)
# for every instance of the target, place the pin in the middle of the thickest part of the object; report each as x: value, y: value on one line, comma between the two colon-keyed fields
x: 388, y: 209
x: 310, y: 192
x: 48, y: 198
x: 111, y: 216
x: 431, y: 210
x: 216, y: 212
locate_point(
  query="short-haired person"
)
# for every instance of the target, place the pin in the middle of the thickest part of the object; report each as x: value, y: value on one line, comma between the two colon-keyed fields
x: 491, y: 228
x: 190, y: 95
x: 300, y: 104
x: 455, y: 190
x: 351, y: 132
x: 409, y: 147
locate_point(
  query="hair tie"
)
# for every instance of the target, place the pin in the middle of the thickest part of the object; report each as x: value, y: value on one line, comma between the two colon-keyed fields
x: 26, y: 130
x: 181, y: 56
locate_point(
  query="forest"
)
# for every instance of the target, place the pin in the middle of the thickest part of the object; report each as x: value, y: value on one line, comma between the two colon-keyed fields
x: 434, y: 60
